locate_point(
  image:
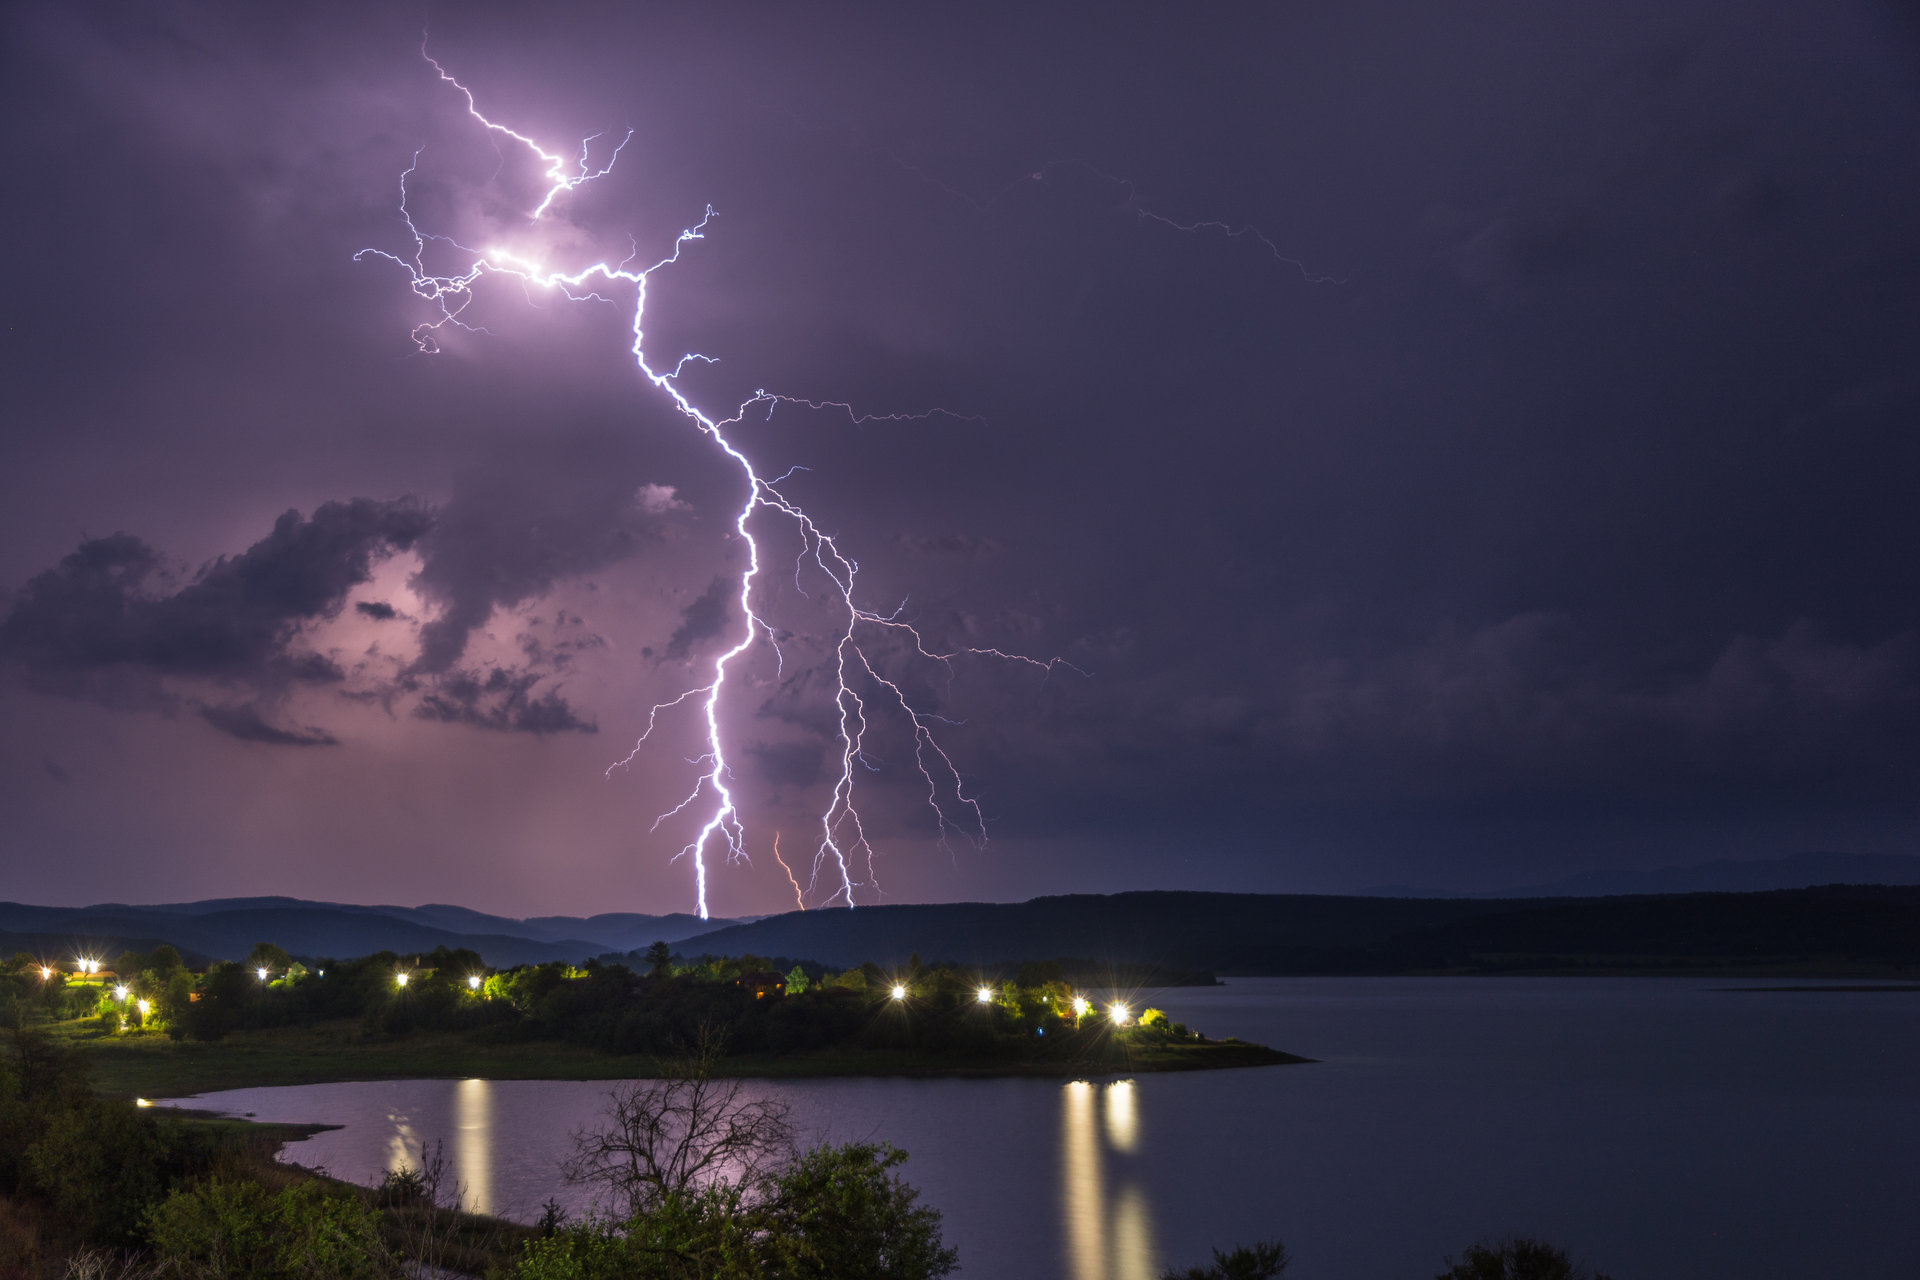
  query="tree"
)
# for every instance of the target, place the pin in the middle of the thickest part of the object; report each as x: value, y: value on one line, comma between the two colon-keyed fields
x: 682, y: 1133
x: 1263, y: 1261
x: 841, y: 1211
x: 1517, y: 1259
x: 265, y: 955
x: 660, y: 960
x: 797, y: 982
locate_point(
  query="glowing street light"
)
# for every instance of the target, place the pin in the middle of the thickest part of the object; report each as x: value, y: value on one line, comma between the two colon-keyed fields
x: 985, y: 995
x: 45, y: 973
x: 473, y: 983
x: 120, y: 993
x: 899, y: 992
x: 400, y: 978
x: 143, y: 1007
x: 1119, y: 1013
x: 1080, y: 1006
x: 262, y: 973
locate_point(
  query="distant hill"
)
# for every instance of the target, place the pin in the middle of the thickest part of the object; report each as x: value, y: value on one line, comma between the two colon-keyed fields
x: 227, y: 928
x: 1728, y: 875
x: 1836, y: 929
x: 1839, y: 928
x: 1722, y: 875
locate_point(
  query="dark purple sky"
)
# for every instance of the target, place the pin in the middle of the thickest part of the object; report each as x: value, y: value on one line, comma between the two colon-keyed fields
x: 1537, y: 489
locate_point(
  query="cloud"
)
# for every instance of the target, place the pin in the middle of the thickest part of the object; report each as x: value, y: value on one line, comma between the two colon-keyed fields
x: 245, y: 723
x: 658, y: 499
x: 378, y: 610
x: 501, y: 700
x: 107, y: 623
x: 512, y: 530
x: 701, y: 620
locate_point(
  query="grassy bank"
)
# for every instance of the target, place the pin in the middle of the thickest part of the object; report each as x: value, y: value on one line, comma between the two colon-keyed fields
x: 149, y: 1065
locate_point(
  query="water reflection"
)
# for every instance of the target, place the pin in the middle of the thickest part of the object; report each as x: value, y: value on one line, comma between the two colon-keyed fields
x: 473, y: 1143
x: 400, y: 1144
x: 1108, y: 1222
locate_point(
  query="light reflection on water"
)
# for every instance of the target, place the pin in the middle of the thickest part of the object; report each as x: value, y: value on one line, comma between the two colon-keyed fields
x: 1109, y: 1229
x: 1662, y: 1128
x: 473, y: 1143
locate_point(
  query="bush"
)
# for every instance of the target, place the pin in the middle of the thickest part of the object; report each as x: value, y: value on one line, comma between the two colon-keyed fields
x: 841, y: 1211
x: 1516, y: 1259
x: 227, y: 1230
x: 1262, y: 1261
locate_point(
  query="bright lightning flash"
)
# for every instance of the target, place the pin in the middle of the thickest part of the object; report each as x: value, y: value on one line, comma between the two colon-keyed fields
x: 844, y: 854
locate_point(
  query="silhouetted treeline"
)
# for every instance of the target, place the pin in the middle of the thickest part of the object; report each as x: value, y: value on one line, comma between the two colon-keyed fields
x: 756, y: 1004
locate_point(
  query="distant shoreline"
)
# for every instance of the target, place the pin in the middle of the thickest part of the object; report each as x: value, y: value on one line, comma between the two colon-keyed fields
x: 155, y: 1067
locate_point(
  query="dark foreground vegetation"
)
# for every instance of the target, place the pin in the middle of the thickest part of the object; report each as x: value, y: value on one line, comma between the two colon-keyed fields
x: 156, y: 1028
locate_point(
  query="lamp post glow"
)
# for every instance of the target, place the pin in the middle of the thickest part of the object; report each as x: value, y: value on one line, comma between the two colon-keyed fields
x: 143, y: 1007
x: 400, y: 978
x: 45, y: 973
x: 262, y: 973
x: 1080, y: 1006
x: 120, y: 993
x: 1119, y: 1013
x: 473, y: 983
x: 986, y: 995
x: 899, y: 993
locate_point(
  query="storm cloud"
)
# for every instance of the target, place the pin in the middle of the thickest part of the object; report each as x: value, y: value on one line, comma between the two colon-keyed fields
x: 111, y: 622
x: 1557, y: 513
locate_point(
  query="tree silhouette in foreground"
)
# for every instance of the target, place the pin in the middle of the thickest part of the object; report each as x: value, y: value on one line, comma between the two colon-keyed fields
x: 1263, y: 1261
x: 1517, y: 1259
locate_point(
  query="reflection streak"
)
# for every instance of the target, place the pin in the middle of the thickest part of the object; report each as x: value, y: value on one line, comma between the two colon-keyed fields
x: 473, y: 1144
x: 1107, y: 1238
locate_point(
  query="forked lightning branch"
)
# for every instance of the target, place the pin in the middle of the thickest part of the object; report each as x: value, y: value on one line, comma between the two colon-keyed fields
x: 843, y: 858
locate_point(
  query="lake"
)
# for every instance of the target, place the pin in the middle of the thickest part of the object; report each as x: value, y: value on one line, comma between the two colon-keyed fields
x: 1659, y: 1128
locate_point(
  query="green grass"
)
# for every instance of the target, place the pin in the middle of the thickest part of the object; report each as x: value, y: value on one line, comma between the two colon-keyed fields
x: 148, y: 1065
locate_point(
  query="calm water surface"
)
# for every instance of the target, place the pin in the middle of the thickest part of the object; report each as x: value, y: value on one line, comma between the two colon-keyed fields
x: 1663, y: 1129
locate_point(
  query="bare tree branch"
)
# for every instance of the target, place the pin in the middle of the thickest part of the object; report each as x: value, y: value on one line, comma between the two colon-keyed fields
x: 683, y: 1132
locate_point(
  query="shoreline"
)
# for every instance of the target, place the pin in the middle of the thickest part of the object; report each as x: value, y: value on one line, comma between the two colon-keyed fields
x: 151, y: 1066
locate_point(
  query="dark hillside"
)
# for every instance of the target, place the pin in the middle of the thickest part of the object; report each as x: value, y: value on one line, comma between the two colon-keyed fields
x: 1859, y: 926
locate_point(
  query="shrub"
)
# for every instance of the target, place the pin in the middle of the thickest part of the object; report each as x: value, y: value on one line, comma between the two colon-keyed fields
x: 1263, y: 1261
x: 1516, y: 1259
x: 841, y: 1211
x: 228, y: 1230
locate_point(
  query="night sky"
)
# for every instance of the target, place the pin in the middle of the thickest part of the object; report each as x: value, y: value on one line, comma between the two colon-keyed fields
x: 1512, y: 471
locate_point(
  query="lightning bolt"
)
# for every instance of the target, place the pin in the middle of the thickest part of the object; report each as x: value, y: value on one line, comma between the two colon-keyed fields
x: 844, y: 856
x: 799, y: 898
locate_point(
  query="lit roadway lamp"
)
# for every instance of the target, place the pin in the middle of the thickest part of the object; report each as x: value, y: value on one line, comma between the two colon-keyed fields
x: 985, y: 995
x: 119, y: 993
x: 46, y: 974
x: 899, y: 992
x: 262, y: 973
x: 1119, y: 1013
x: 400, y: 978
x: 473, y: 983
x: 143, y: 1007
x: 1080, y: 1006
